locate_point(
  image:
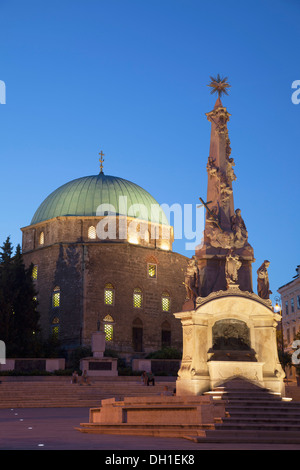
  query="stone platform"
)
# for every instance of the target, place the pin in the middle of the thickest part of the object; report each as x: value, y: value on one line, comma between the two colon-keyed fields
x: 167, y: 416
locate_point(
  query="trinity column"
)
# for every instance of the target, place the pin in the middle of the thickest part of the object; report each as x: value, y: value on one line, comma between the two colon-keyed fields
x: 225, y: 239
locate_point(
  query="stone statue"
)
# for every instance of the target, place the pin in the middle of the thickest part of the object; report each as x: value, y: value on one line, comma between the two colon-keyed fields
x: 231, y: 270
x: 191, y: 279
x: 263, y: 287
x: 238, y: 225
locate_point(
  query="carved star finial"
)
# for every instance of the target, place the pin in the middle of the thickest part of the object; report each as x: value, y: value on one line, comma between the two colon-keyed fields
x: 219, y: 85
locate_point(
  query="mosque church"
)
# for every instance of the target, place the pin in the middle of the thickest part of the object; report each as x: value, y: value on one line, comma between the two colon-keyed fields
x: 101, y: 247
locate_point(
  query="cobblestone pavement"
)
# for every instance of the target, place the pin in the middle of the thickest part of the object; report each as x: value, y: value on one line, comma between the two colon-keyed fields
x: 54, y: 429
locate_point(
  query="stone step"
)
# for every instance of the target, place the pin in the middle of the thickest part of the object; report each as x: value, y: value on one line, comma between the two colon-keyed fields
x: 257, y: 420
x: 247, y: 437
x: 61, y: 394
x: 279, y: 413
x: 159, y: 430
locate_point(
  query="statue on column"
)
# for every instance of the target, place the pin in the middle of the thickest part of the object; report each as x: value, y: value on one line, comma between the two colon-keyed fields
x: 191, y: 279
x: 239, y: 228
x: 263, y: 286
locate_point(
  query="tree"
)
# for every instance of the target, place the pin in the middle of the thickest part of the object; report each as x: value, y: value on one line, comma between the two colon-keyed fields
x: 19, y: 318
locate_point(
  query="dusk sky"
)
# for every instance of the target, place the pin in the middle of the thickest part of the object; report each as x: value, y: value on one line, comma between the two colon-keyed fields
x: 129, y: 77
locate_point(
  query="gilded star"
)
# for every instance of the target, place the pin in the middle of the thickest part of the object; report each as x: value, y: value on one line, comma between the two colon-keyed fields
x: 219, y: 85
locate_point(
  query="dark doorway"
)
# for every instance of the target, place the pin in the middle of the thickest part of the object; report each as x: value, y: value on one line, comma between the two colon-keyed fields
x: 165, y: 335
x: 137, y: 335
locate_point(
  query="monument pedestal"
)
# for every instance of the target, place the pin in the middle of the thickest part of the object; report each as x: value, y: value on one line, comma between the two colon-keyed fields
x: 98, y: 365
x: 230, y: 334
x: 166, y: 416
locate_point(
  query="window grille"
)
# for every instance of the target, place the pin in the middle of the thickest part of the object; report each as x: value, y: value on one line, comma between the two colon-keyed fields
x: 165, y: 302
x: 109, y: 296
x: 137, y: 298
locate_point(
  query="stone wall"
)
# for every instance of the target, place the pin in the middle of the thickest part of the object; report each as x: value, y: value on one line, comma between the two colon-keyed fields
x: 82, y: 268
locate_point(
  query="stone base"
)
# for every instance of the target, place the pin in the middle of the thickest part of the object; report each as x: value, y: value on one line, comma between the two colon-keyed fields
x: 95, y: 366
x: 222, y: 371
x: 162, y: 415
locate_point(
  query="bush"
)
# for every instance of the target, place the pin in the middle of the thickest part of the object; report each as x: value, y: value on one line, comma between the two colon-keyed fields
x: 165, y: 353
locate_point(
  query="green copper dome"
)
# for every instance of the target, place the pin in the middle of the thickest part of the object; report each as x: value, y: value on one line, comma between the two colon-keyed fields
x: 83, y: 196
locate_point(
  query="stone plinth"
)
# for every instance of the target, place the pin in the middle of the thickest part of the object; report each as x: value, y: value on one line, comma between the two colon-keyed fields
x: 98, y: 365
x: 223, y: 321
x: 221, y: 371
x: 95, y: 366
x: 98, y: 344
x: 156, y: 415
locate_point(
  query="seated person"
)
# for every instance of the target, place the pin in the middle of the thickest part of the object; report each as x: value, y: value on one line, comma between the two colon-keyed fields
x: 74, y: 377
x: 166, y: 392
x: 85, y: 378
x: 150, y: 378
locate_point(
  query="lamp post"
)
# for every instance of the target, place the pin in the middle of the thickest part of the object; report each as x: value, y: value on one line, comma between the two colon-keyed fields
x: 278, y: 309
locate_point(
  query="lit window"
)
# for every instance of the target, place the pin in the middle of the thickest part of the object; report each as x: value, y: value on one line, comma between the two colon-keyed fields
x: 109, y: 294
x: 56, y: 297
x: 137, y: 298
x: 55, y: 327
x: 34, y: 272
x: 165, y: 302
x: 42, y: 238
x: 108, y: 328
x: 92, y: 233
x: 152, y: 271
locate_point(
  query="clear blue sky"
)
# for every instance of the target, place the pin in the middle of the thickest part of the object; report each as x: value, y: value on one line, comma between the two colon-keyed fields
x: 129, y: 77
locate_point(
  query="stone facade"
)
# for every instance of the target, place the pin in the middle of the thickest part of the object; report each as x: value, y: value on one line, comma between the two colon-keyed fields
x: 290, y: 300
x: 80, y: 268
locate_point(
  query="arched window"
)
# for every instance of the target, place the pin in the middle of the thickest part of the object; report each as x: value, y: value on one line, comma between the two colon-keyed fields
x: 108, y: 327
x: 165, y: 334
x: 165, y: 302
x: 35, y: 272
x: 56, y: 297
x: 55, y: 327
x: 42, y: 238
x: 109, y: 294
x: 137, y: 298
x: 92, y: 233
x: 152, y: 270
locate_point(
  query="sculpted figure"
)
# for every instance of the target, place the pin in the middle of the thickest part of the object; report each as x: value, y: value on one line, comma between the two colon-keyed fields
x: 238, y: 225
x: 211, y: 167
x: 230, y: 172
x: 191, y: 280
x: 239, y: 229
x: 231, y: 269
x: 263, y: 287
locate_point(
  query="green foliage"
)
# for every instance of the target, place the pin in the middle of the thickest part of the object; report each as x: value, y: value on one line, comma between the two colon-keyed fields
x: 76, y: 355
x: 285, y: 358
x: 165, y: 353
x: 19, y: 318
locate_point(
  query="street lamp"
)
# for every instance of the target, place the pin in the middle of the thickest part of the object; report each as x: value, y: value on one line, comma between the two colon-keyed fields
x: 277, y: 309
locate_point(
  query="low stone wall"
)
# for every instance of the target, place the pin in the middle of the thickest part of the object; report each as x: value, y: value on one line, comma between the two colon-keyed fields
x: 157, y: 366
x: 158, y: 410
x: 33, y: 364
